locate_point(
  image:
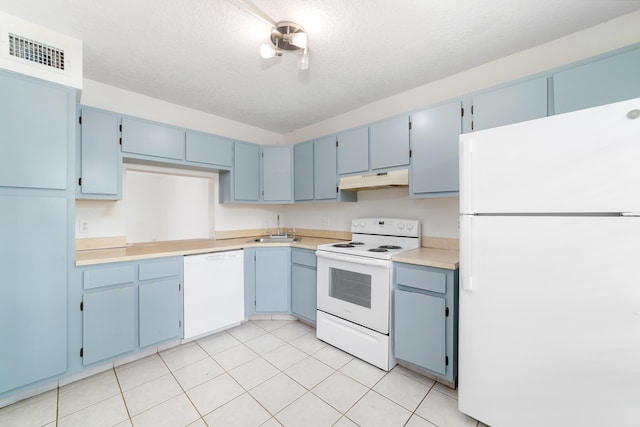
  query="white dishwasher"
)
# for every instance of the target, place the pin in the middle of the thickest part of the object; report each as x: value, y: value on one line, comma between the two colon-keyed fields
x: 213, y: 292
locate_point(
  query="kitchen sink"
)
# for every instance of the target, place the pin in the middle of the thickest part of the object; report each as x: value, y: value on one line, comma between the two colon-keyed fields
x: 275, y: 239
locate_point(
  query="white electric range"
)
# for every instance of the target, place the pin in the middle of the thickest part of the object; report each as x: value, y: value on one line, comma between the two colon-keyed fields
x: 354, y: 287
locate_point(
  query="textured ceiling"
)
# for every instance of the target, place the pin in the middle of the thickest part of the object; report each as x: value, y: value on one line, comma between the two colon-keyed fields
x: 204, y: 54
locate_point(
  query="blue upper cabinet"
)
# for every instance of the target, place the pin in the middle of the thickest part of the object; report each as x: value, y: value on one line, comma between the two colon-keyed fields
x: 510, y: 104
x: 246, y: 173
x: 152, y: 139
x: 100, y: 166
x: 389, y: 143
x: 325, y: 175
x: 303, y: 173
x: 600, y: 82
x: 353, y: 151
x: 277, y: 173
x: 208, y: 149
x: 434, y: 140
x: 35, y: 132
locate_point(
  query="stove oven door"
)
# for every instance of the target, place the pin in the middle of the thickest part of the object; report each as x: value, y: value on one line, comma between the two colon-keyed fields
x: 355, y: 288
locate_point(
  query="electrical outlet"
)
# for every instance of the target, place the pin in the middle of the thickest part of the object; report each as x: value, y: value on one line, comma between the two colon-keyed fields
x: 83, y: 226
x: 324, y: 220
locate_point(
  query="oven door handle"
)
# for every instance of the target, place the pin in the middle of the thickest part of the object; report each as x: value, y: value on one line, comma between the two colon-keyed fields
x: 355, y: 259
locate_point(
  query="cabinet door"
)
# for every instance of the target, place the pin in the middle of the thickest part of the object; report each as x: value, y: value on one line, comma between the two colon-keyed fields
x: 33, y: 292
x: 389, y: 143
x: 511, y: 104
x: 246, y: 172
x: 325, y: 169
x: 152, y: 139
x: 272, y: 275
x: 159, y: 311
x: 34, y: 118
x: 100, y: 162
x: 303, y: 171
x: 209, y: 149
x: 277, y: 173
x: 303, y: 292
x: 600, y: 82
x: 434, y: 141
x: 107, y: 324
x: 353, y: 151
x: 420, y: 330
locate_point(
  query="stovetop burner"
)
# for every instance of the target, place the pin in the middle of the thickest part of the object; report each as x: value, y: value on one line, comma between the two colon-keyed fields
x: 343, y: 245
x: 390, y: 247
x: 378, y: 250
x: 356, y: 243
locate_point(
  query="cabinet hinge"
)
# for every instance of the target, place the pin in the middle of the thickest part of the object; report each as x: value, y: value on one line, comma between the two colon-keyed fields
x: 472, y: 109
x: 81, y: 306
x: 472, y: 124
x: 120, y: 127
x: 80, y: 120
x: 80, y: 181
x: 410, y: 153
x: 81, y: 352
x: 446, y: 312
x: 179, y: 287
x: 409, y: 125
x: 337, y: 142
x: 337, y: 189
x: 120, y: 141
x: 462, y: 112
x: 446, y: 360
x: 254, y: 257
x: 179, y: 323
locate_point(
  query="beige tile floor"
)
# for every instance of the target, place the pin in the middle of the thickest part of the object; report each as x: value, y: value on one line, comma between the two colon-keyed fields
x: 262, y: 373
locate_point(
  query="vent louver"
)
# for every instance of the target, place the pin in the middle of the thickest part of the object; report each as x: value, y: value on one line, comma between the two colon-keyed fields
x: 34, y: 51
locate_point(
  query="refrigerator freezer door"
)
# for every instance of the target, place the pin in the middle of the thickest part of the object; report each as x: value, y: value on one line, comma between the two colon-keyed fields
x: 584, y: 161
x: 550, y: 329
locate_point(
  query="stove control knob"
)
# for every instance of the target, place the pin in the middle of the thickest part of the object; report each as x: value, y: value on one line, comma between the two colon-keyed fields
x: 409, y: 226
x: 401, y: 225
x: 361, y: 224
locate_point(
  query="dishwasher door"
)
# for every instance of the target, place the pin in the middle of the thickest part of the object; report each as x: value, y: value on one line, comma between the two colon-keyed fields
x: 213, y: 292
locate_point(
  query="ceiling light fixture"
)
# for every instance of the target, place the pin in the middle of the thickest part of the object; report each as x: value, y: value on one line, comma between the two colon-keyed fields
x: 284, y: 36
x: 288, y: 36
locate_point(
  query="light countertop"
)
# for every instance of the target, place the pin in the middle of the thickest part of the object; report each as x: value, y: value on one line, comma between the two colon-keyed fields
x: 430, y: 257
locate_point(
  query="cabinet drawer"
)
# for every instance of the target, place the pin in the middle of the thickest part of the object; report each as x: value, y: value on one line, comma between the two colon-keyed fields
x: 108, y: 276
x: 154, y: 270
x: 304, y: 257
x: 433, y: 280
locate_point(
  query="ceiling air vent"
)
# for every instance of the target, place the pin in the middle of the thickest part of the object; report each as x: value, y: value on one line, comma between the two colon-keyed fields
x: 35, y: 51
x: 39, y: 52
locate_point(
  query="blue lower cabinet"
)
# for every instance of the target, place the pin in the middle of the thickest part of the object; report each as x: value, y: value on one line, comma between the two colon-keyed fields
x: 129, y: 306
x: 303, y: 284
x: 159, y: 311
x: 267, y: 280
x: 425, y: 318
x: 108, y: 326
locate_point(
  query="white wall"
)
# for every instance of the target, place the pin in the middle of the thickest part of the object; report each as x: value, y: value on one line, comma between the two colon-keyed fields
x: 439, y: 216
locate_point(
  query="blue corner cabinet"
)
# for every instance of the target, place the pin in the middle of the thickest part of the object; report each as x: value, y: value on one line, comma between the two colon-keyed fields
x: 425, y: 318
x: 277, y: 173
x: 267, y: 279
x: 303, y: 172
x: 303, y: 284
x: 99, y: 166
x: 36, y: 204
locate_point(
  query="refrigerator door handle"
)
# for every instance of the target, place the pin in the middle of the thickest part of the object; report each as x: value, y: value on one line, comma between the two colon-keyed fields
x: 630, y: 213
x: 465, y: 253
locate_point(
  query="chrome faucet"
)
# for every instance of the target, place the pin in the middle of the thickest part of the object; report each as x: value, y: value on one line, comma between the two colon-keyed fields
x: 278, y: 231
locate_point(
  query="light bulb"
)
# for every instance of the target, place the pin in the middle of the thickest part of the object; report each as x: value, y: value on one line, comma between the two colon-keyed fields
x: 299, y: 39
x: 303, y: 62
x: 267, y: 51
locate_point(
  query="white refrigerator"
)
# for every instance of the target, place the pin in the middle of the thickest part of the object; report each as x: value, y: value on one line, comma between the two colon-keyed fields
x: 549, y: 328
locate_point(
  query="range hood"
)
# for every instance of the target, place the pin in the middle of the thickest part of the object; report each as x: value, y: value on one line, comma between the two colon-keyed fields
x: 373, y: 181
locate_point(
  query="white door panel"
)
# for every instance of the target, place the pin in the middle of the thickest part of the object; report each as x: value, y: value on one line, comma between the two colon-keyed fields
x: 585, y: 161
x: 550, y: 320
